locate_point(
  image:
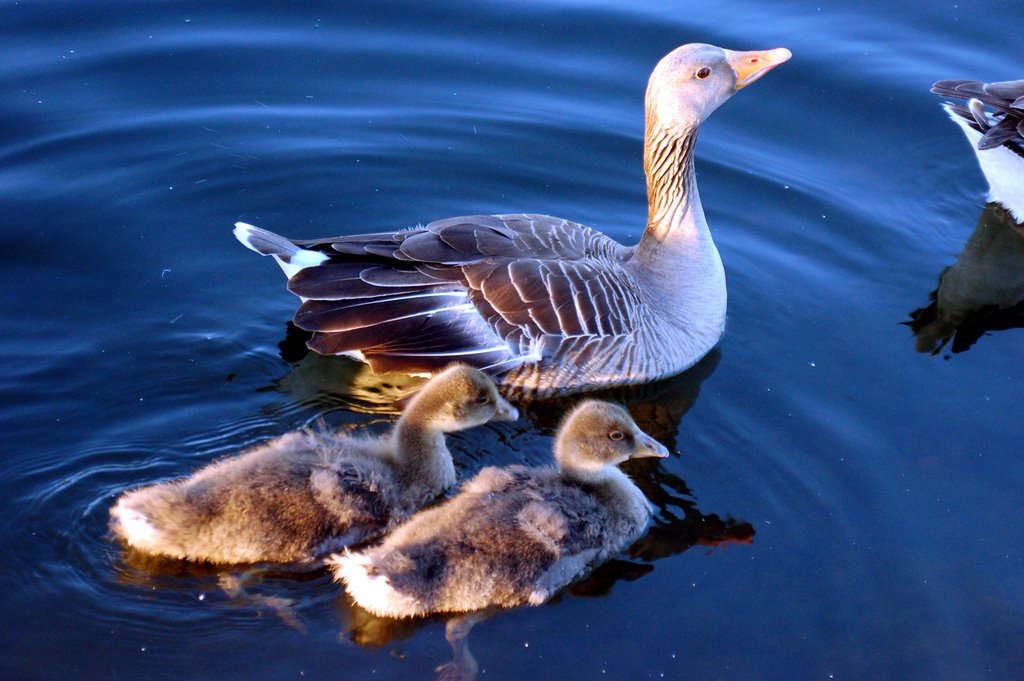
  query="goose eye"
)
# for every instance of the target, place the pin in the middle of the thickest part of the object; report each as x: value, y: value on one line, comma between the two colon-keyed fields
x: 616, y: 435
x: 702, y: 73
x: 483, y: 399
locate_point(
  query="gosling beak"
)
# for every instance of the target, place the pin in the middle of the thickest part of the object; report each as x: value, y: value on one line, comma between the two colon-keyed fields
x: 504, y: 411
x: 647, y: 446
x: 749, y: 66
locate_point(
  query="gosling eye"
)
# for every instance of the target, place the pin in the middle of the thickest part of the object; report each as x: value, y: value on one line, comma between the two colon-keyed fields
x: 702, y: 73
x: 616, y: 435
x: 483, y: 399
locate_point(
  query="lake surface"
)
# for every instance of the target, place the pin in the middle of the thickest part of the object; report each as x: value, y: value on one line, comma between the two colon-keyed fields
x: 841, y: 504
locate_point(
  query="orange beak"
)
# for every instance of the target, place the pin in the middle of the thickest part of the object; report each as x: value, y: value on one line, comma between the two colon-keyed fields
x: 749, y: 66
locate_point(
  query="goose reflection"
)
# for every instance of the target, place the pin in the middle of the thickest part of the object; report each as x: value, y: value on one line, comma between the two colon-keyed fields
x: 984, y: 290
x: 339, y: 381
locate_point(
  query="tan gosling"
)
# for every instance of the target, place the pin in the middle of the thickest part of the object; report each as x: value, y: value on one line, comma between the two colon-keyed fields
x: 308, y: 493
x: 513, y: 535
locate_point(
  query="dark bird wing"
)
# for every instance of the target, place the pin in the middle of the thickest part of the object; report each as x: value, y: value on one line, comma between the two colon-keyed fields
x: 1006, y: 98
x: 490, y: 290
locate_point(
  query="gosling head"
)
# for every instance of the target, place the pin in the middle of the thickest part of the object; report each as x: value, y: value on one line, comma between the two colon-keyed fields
x: 691, y: 81
x: 458, y: 398
x: 596, y: 435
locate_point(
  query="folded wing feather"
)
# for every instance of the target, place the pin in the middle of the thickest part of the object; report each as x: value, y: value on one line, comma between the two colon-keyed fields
x: 492, y: 291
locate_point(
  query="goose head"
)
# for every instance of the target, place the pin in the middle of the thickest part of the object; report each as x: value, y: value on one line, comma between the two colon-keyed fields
x: 691, y: 81
x: 598, y: 435
x: 458, y: 398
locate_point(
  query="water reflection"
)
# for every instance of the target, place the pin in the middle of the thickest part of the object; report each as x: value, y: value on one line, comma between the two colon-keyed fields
x: 365, y: 629
x: 281, y: 591
x: 982, y: 292
x: 339, y: 381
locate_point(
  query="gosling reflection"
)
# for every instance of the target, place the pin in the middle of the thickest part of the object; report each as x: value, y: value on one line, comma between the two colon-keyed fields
x: 366, y: 629
x: 982, y: 292
x: 463, y: 666
x: 282, y: 592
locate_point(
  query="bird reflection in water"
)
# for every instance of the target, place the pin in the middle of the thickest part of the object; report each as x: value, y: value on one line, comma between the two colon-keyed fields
x: 282, y: 591
x: 339, y: 381
x: 982, y: 292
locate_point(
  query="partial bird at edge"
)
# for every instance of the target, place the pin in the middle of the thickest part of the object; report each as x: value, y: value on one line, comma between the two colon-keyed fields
x: 997, y: 138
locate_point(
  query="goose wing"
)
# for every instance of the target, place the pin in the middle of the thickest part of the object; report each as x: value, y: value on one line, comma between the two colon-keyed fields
x: 1006, y: 97
x: 490, y: 290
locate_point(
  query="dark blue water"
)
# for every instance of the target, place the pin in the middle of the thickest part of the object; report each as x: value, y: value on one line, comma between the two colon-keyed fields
x: 842, y: 505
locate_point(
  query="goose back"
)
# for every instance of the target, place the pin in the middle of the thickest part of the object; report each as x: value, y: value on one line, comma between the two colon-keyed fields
x: 546, y: 304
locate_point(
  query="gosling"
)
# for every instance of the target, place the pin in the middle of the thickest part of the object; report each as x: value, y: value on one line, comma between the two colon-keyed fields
x: 306, y: 494
x: 515, y: 535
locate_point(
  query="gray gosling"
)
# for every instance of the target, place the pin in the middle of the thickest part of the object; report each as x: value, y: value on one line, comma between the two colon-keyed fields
x: 308, y: 493
x: 513, y: 535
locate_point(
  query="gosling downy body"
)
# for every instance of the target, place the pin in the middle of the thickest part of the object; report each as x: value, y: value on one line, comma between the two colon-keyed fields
x: 514, y: 535
x: 306, y: 494
x: 544, y: 304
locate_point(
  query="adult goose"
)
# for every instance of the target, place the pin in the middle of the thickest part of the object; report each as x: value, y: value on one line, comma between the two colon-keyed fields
x: 515, y: 535
x: 997, y: 138
x: 545, y: 304
x: 306, y: 494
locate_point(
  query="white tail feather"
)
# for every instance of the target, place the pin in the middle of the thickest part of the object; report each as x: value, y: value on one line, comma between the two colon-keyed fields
x: 290, y: 257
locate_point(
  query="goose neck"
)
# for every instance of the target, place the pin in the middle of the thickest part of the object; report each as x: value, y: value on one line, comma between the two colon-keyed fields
x: 675, y: 218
